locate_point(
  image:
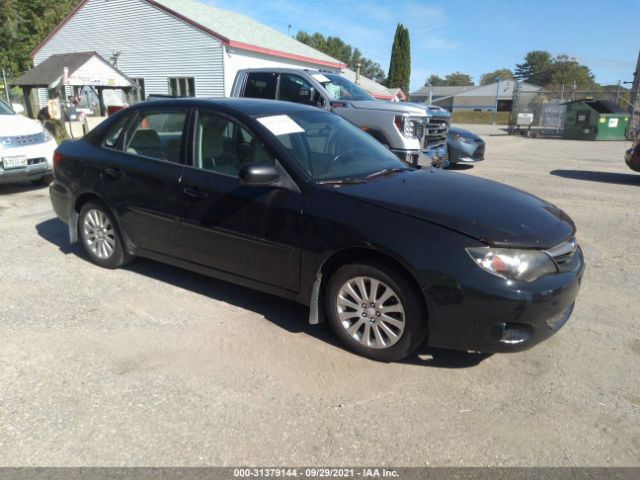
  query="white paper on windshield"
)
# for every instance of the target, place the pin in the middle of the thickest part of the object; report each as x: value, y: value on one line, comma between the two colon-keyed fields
x: 281, y: 125
x: 321, y: 78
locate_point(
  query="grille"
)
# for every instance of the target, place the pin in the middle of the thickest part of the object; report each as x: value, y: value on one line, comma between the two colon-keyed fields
x: 22, y: 140
x: 435, y: 132
x: 565, y: 256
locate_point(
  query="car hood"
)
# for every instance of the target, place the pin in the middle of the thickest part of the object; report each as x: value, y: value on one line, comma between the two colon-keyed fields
x: 388, y: 107
x: 16, y: 125
x: 488, y: 211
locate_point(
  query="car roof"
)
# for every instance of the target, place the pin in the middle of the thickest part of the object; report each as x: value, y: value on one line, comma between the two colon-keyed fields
x: 253, y: 107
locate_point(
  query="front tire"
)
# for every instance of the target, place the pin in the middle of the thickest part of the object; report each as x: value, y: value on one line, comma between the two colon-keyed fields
x: 100, y: 236
x: 375, y: 311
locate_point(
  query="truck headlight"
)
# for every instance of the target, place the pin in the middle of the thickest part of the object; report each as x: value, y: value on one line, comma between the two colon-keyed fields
x: 513, y: 264
x: 406, y: 126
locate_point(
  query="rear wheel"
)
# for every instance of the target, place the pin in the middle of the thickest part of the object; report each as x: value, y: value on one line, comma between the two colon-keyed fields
x: 375, y: 311
x: 100, y: 237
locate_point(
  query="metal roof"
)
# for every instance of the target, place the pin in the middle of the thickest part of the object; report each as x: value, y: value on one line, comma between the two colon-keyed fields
x: 372, y: 88
x: 506, y: 90
x: 242, y: 31
x: 52, y: 69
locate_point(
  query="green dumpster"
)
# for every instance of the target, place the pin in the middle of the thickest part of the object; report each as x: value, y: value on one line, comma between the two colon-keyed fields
x: 594, y: 120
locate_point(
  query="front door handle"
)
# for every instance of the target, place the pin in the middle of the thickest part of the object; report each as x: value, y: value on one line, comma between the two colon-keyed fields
x: 113, y: 172
x: 194, y: 193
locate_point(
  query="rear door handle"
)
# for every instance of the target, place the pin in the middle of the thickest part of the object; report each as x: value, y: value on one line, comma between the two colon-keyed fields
x: 194, y: 193
x: 113, y: 172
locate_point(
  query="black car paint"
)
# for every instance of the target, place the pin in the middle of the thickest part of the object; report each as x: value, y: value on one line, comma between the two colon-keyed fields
x: 280, y: 240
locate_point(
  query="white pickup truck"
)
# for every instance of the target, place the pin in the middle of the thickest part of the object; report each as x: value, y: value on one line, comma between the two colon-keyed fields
x: 414, y: 132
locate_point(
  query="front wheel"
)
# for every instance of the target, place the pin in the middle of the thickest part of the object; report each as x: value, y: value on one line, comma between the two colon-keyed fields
x: 375, y: 311
x: 100, y: 237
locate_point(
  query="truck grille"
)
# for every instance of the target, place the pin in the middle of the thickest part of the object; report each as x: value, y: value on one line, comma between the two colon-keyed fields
x: 435, y: 132
x: 22, y: 140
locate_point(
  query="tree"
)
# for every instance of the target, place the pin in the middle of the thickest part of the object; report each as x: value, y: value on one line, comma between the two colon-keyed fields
x: 501, y: 73
x: 536, y: 68
x: 338, y: 49
x: 400, y: 64
x: 458, y: 79
x: 567, y: 71
x: 25, y: 23
x: 434, y: 81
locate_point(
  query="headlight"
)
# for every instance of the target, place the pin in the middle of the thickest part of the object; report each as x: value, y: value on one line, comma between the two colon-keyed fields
x: 513, y: 264
x: 406, y: 126
x: 462, y: 139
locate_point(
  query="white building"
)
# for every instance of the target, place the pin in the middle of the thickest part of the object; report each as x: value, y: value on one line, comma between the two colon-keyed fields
x: 179, y: 47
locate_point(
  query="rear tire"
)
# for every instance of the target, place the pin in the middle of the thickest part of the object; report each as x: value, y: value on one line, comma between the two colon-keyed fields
x: 375, y: 311
x: 100, y: 237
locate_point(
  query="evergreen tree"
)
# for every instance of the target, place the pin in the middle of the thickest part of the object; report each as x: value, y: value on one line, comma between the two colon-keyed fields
x: 338, y: 49
x: 400, y: 64
x: 536, y: 68
x: 25, y: 23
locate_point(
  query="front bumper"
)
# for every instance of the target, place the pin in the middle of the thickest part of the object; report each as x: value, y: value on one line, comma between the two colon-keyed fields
x: 40, y: 162
x: 466, y: 152
x: 485, y: 313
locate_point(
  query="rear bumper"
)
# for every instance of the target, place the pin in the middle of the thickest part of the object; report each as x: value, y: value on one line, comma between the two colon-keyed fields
x: 61, y: 201
x: 484, y: 313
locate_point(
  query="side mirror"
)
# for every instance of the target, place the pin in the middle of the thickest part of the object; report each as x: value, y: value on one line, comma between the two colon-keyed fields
x: 258, y: 174
x: 17, y: 108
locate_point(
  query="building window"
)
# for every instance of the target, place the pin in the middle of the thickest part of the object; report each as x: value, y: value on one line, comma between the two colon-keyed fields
x: 138, y: 94
x: 182, y: 87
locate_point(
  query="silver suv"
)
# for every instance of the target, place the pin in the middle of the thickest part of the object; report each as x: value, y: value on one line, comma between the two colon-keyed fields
x: 413, y: 132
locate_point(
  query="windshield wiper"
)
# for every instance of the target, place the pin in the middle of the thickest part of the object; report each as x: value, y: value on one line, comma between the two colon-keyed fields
x: 386, y: 171
x: 342, y: 180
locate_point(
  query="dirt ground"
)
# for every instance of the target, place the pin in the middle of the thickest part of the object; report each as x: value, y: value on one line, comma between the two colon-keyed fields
x: 152, y: 365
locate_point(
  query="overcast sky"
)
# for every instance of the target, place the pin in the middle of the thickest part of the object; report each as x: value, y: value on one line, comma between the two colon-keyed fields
x: 473, y: 37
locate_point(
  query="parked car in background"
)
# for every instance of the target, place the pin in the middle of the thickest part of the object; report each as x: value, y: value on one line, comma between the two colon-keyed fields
x: 464, y: 146
x: 26, y: 149
x: 632, y: 156
x: 411, y: 131
x: 300, y: 203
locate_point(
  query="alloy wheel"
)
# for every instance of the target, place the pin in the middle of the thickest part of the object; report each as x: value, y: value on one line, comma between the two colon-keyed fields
x: 371, y: 312
x: 99, y: 234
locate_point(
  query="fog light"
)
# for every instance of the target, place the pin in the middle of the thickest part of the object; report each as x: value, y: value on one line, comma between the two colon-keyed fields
x: 556, y: 321
x: 514, y: 333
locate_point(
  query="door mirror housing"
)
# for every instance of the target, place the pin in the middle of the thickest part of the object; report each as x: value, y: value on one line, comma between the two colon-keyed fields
x: 17, y: 108
x: 258, y: 174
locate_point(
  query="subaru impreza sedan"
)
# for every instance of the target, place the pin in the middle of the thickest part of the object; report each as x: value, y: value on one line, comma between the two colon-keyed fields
x: 26, y: 149
x: 298, y: 202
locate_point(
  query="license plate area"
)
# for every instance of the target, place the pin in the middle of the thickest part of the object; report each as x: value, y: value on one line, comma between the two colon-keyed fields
x: 18, y: 161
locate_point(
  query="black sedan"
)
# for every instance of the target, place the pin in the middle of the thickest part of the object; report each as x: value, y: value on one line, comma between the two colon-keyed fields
x: 300, y: 203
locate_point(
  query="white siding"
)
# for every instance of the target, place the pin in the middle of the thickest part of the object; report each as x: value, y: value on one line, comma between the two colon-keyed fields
x: 236, y: 59
x: 153, y: 45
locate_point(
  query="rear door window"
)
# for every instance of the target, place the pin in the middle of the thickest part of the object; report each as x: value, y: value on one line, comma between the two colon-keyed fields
x: 261, y: 85
x: 157, y: 135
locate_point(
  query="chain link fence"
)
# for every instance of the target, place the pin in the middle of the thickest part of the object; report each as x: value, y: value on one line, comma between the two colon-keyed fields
x: 539, y: 112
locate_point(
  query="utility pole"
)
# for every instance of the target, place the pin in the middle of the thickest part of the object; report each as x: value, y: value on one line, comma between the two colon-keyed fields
x: 495, y: 110
x: 7, y: 92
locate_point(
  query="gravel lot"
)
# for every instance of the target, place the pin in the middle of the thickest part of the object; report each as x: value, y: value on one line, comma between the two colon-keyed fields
x: 152, y: 365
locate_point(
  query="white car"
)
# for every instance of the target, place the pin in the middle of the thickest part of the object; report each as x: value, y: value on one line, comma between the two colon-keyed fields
x: 26, y: 149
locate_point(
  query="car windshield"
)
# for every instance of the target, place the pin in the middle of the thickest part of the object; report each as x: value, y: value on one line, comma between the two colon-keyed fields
x: 329, y: 148
x: 342, y: 89
x: 5, y: 109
